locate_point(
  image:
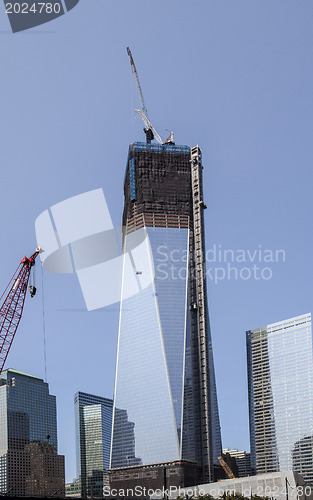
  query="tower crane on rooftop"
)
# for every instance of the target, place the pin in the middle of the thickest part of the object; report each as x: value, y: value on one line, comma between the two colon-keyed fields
x: 12, y: 304
x: 149, y: 130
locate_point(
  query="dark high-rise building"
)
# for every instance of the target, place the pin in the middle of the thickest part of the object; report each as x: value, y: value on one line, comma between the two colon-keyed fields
x: 29, y: 463
x: 46, y: 470
x: 165, y: 381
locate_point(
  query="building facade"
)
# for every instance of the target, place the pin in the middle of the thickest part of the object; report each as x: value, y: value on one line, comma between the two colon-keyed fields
x: 276, y: 486
x: 135, y: 482
x: 73, y: 489
x: 243, y: 461
x: 29, y: 463
x: 93, y: 420
x: 165, y: 381
x: 280, y: 381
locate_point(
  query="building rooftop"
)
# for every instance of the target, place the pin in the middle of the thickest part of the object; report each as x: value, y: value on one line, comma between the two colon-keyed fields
x: 168, y: 148
x: 12, y: 370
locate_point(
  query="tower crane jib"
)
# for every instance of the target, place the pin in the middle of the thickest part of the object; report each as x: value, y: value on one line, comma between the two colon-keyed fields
x: 11, y: 308
x: 149, y: 130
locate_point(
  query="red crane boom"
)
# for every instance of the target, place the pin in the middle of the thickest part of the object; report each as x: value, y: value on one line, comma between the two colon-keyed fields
x: 11, y: 308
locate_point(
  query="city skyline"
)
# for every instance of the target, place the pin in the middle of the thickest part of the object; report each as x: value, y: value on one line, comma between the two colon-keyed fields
x: 237, y: 81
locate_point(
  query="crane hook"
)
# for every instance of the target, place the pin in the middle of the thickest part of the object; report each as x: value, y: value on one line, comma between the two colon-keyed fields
x: 32, y: 290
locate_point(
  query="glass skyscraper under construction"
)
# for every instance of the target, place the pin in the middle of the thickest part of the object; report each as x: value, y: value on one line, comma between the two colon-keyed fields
x: 165, y: 381
x: 280, y: 377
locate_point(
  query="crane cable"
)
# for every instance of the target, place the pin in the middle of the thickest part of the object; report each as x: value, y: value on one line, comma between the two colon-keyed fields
x: 44, y: 339
x: 43, y: 323
x: 32, y: 280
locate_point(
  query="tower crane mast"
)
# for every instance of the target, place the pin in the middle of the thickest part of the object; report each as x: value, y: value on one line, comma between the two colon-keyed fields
x: 12, y: 304
x: 149, y: 130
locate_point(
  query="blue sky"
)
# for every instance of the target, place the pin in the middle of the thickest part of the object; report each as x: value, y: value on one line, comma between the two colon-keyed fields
x: 234, y: 77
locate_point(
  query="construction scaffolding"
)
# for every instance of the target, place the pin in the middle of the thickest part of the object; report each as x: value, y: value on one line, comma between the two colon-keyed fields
x: 157, y: 186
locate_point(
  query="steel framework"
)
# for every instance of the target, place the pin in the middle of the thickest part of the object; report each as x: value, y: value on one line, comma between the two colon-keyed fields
x: 150, y: 131
x: 11, y: 308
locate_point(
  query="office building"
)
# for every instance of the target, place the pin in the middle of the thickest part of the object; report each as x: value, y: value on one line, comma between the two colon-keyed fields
x: 280, y: 381
x: 73, y: 489
x: 243, y: 461
x: 29, y: 463
x: 93, y: 420
x: 165, y: 380
x: 46, y: 470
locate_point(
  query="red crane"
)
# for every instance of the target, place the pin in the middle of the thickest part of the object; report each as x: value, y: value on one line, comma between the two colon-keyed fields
x: 11, y: 308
